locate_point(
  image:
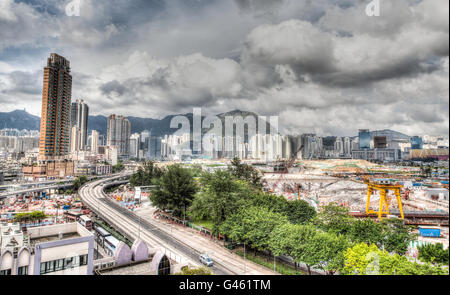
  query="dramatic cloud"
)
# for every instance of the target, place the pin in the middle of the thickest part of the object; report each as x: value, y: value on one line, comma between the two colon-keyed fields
x: 323, y: 66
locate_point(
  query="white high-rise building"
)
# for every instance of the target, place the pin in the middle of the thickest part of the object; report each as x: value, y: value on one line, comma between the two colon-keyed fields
x: 79, y: 118
x: 135, y: 142
x: 119, y: 133
x: 339, y: 146
x: 75, y: 139
x: 94, y: 141
x: 347, y: 147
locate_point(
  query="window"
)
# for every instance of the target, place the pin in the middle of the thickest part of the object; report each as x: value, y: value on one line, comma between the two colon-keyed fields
x: 68, y: 262
x: 59, y: 265
x: 62, y: 264
x: 83, y: 260
x: 50, y: 266
x: 76, y: 261
x: 22, y: 271
x: 6, y: 272
x: 43, y: 268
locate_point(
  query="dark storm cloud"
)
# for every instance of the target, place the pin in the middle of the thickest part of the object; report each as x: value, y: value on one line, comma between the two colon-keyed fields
x: 304, y: 60
x: 24, y: 83
x: 113, y: 86
x: 259, y: 5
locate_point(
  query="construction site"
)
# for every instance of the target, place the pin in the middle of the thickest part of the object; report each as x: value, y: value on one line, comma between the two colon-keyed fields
x: 366, y: 189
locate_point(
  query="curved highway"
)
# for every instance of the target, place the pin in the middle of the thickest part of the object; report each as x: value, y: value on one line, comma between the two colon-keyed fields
x: 128, y: 223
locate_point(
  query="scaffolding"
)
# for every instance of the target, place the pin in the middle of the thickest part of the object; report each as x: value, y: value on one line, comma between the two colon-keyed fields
x: 384, y: 189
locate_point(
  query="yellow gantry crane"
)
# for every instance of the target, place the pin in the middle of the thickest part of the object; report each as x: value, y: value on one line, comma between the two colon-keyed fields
x: 383, y: 187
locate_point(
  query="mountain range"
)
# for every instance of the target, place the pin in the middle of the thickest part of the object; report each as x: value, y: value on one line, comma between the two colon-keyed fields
x: 20, y: 119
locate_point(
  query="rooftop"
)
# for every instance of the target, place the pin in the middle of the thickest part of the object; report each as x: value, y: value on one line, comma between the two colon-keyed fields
x: 66, y: 236
x: 138, y: 268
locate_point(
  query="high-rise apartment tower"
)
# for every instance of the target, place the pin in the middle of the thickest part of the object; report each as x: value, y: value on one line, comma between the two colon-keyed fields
x: 119, y: 132
x: 79, y: 118
x: 56, y: 98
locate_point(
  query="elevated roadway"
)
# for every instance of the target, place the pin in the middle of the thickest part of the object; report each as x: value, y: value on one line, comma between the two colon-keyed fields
x: 134, y: 227
x: 33, y: 187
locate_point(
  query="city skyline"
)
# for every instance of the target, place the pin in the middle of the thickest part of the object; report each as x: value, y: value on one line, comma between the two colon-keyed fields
x: 324, y: 89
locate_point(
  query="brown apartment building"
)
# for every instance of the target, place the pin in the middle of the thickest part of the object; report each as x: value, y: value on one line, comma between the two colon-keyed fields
x: 54, y: 138
x: 56, y: 103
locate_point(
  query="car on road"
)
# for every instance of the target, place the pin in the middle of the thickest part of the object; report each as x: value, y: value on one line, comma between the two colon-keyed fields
x: 206, y: 260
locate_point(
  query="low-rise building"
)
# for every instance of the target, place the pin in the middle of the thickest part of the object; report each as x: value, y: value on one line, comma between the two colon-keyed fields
x: 383, y: 155
x: 50, y: 169
x: 65, y: 249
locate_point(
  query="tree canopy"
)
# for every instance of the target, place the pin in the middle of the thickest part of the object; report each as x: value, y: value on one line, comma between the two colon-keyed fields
x: 187, y: 271
x: 79, y: 182
x: 176, y: 191
x: 30, y: 216
x: 246, y: 172
x: 221, y: 195
x: 434, y: 253
x: 253, y: 225
x: 148, y: 174
x: 363, y: 259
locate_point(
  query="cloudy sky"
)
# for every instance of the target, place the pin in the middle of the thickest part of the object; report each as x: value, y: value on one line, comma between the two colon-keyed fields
x: 322, y: 66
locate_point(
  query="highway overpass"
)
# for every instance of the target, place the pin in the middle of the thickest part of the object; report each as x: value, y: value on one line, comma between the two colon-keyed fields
x: 153, y: 233
x: 34, y: 187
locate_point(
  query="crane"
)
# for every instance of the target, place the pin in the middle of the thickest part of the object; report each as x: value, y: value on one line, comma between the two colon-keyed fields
x: 288, y: 164
x: 383, y: 186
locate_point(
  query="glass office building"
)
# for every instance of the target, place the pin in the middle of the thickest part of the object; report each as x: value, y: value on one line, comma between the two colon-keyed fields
x: 364, y: 139
x: 416, y: 143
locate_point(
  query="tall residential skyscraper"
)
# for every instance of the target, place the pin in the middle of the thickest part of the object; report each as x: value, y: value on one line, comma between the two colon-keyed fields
x: 94, y: 141
x: 75, y: 139
x: 119, y: 132
x: 79, y: 118
x: 56, y: 98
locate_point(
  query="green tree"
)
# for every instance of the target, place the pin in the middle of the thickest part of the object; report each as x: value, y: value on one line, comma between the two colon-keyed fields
x: 434, y: 253
x: 187, y: 271
x: 246, y: 172
x: 363, y: 259
x: 30, y: 216
x: 366, y: 231
x: 176, y: 192
x: 292, y: 240
x: 221, y: 195
x: 300, y: 212
x: 79, y: 182
x: 326, y: 251
x: 118, y: 167
x: 396, y: 235
x: 276, y: 203
x: 147, y: 174
x: 334, y: 219
x: 253, y: 226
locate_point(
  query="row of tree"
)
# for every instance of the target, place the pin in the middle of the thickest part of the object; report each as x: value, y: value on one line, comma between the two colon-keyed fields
x: 363, y: 259
x: 234, y: 202
x: 30, y: 217
x: 434, y: 253
x: 392, y: 235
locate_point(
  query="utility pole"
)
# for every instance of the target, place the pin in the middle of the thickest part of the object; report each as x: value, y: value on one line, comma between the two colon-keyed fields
x: 274, y: 263
x: 245, y: 263
x: 139, y: 236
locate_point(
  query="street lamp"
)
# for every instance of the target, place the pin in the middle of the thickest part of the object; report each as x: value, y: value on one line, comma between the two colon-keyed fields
x: 245, y: 263
x: 139, y: 234
x: 274, y: 263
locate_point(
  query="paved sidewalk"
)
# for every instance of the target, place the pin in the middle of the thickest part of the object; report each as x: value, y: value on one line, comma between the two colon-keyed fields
x: 214, y: 249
